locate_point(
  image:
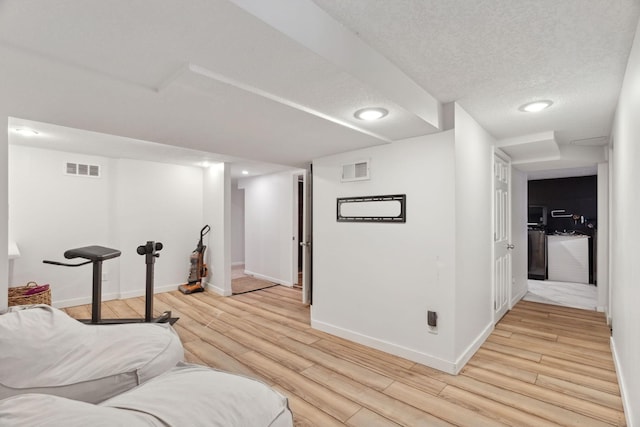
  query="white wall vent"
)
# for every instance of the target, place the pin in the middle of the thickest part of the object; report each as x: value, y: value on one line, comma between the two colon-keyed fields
x: 357, y: 171
x: 82, y: 169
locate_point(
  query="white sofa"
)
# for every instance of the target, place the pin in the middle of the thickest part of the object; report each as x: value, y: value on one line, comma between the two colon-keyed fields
x: 46, y: 351
x: 56, y: 371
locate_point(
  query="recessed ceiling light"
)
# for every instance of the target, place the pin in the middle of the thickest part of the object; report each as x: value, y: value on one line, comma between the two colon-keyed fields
x: 26, y: 131
x: 245, y: 172
x: 535, y: 106
x: 370, y: 113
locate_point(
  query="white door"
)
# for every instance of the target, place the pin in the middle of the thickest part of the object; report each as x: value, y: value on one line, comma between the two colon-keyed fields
x: 501, y: 236
x: 305, y: 239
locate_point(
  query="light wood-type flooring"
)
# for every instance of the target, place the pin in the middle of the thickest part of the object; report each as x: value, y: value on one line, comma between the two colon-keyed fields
x: 543, y: 365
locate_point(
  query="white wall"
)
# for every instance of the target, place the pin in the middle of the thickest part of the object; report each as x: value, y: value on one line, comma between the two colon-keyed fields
x: 269, y: 221
x: 473, y: 234
x: 519, y: 236
x: 50, y: 212
x: 237, y: 224
x: 158, y: 202
x: 132, y: 202
x: 625, y: 235
x: 216, y: 197
x: 4, y: 212
x: 373, y: 282
x: 602, y: 244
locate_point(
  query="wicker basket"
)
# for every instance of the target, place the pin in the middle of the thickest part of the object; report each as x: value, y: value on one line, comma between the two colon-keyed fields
x: 17, y: 295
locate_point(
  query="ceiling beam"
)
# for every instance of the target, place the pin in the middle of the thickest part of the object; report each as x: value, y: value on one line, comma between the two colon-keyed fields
x: 310, y: 26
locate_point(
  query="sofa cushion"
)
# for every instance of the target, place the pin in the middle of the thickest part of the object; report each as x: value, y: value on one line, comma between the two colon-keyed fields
x: 46, y: 351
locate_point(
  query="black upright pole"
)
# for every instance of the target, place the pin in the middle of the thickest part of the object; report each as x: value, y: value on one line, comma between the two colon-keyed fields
x: 96, y: 297
x: 150, y: 260
x: 149, y: 251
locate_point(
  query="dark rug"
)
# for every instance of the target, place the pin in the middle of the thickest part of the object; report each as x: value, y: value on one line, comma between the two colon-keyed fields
x: 242, y: 285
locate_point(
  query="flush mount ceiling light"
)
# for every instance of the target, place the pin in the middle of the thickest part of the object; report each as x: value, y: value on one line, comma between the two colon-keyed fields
x: 26, y: 131
x: 535, y: 106
x: 370, y: 113
x: 245, y: 172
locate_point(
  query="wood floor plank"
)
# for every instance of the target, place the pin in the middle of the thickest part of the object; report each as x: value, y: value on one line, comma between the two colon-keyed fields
x: 593, y: 372
x: 369, y: 360
x: 107, y: 312
x: 547, y: 395
x: 559, y: 350
x: 192, y: 358
x: 282, y: 309
x: 505, y: 370
x: 600, y: 397
x: 438, y: 406
x: 568, y: 311
x: 138, y: 305
x: 542, y: 365
x: 286, y: 358
x: 121, y: 309
x: 269, y: 316
x: 345, y: 367
x: 525, y: 403
x: 218, y: 359
x: 503, y: 413
x: 578, y: 374
x: 289, y: 305
x: 505, y: 324
x: 335, y: 404
x: 367, y: 418
x: 364, y: 351
x: 79, y: 312
x: 306, y: 414
x: 501, y: 333
x: 559, y: 327
x: 586, y: 343
x: 286, y: 292
x: 195, y: 309
x: 590, y: 361
x: 393, y: 409
x: 499, y: 344
x: 185, y: 334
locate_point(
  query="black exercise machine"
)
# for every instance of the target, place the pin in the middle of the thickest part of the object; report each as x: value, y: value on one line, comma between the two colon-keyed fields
x: 96, y: 255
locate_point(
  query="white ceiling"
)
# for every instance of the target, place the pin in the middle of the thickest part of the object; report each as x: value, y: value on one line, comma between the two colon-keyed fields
x: 61, y: 138
x: 278, y: 81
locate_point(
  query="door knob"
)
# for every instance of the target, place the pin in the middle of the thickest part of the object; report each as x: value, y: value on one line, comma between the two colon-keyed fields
x: 510, y: 246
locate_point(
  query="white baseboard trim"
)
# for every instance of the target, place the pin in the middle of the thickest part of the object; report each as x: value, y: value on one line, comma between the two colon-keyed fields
x: 395, y: 349
x: 471, y: 350
x: 141, y: 292
x: 237, y: 263
x: 626, y: 403
x: 71, y: 302
x: 267, y: 278
x: 218, y: 290
x: 518, y: 297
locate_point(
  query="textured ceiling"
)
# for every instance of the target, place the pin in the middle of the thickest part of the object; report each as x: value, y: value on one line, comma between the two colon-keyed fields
x: 281, y: 80
x: 493, y: 56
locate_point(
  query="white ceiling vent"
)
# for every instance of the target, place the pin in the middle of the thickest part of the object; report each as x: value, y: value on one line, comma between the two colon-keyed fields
x: 82, y: 169
x: 358, y: 171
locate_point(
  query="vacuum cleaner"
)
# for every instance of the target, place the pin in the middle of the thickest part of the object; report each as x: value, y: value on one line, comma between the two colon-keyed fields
x: 197, y: 269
